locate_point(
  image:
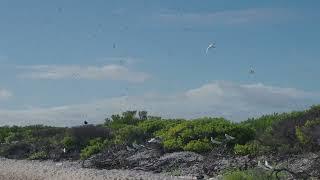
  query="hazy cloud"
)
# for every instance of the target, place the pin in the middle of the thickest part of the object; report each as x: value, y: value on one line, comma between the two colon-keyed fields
x: 111, y: 72
x: 5, y: 94
x: 228, y: 17
x: 227, y: 99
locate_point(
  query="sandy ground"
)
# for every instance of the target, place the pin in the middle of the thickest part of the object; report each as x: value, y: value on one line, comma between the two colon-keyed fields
x: 48, y: 170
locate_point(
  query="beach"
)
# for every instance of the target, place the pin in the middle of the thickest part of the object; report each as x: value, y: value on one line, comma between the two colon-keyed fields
x: 48, y: 170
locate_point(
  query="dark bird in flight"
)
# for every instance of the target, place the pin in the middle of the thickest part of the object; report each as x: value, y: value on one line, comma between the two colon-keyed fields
x: 85, y: 122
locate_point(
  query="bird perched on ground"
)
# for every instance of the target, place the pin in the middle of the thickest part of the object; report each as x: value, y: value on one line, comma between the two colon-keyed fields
x: 211, y: 45
x: 64, y: 150
x: 264, y: 166
x: 129, y: 148
x: 267, y: 165
x: 155, y: 140
x: 215, y: 141
x: 228, y: 137
x: 136, y: 146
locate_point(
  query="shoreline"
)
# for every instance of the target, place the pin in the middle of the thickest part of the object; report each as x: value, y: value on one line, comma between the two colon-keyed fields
x: 11, y: 169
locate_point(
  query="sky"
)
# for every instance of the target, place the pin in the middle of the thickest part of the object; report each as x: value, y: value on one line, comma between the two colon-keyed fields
x: 63, y: 62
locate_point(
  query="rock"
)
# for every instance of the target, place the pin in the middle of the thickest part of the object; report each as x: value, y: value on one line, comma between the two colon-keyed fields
x: 307, y: 163
x: 186, y: 163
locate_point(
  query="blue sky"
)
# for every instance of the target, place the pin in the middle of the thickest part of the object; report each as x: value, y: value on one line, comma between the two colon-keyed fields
x: 58, y: 62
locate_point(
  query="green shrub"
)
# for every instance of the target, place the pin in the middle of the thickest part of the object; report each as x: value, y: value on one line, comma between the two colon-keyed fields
x: 155, y: 127
x: 95, y: 146
x: 246, y: 149
x: 68, y: 142
x: 13, y: 136
x: 129, y: 134
x: 311, y: 123
x: 198, y: 146
x: 173, y: 145
x: 41, y: 155
x: 252, y: 174
x: 303, y: 139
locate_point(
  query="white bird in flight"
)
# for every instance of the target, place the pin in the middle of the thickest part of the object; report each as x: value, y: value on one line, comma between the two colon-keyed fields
x: 211, y: 45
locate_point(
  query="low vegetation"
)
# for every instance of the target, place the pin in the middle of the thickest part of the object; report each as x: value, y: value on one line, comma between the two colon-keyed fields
x: 294, y: 132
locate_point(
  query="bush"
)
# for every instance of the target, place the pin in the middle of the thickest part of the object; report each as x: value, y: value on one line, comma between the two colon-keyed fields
x: 38, y: 156
x: 83, y: 134
x: 194, y: 135
x: 252, y: 174
x: 95, y: 146
x: 173, y: 145
x: 198, y: 146
x: 303, y: 139
x: 129, y: 134
x: 246, y: 149
x: 155, y: 127
x: 69, y: 142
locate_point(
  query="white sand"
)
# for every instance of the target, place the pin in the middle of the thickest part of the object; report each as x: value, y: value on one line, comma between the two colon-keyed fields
x: 48, y: 170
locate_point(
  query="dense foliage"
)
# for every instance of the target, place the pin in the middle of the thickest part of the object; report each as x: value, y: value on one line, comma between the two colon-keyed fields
x: 278, y: 133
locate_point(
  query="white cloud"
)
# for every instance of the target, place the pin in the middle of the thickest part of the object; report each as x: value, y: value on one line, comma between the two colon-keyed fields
x: 227, y: 17
x: 5, y: 94
x: 227, y: 99
x: 111, y: 72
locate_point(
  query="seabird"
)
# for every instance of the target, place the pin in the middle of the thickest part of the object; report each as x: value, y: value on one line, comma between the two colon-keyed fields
x: 215, y: 142
x: 267, y: 165
x: 229, y: 137
x: 155, y: 140
x: 251, y: 71
x: 209, y: 47
x: 136, y: 146
x: 129, y: 148
x: 85, y: 122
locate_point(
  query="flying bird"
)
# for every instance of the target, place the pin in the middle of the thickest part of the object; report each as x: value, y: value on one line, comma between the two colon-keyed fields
x: 85, y: 122
x: 251, y: 71
x: 228, y: 137
x: 211, y: 45
x: 64, y: 150
x: 114, y: 45
x: 215, y: 142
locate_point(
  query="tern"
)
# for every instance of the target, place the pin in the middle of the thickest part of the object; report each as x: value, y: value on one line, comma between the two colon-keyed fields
x: 228, y: 137
x: 211, y: 45
x: 215, y: 142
